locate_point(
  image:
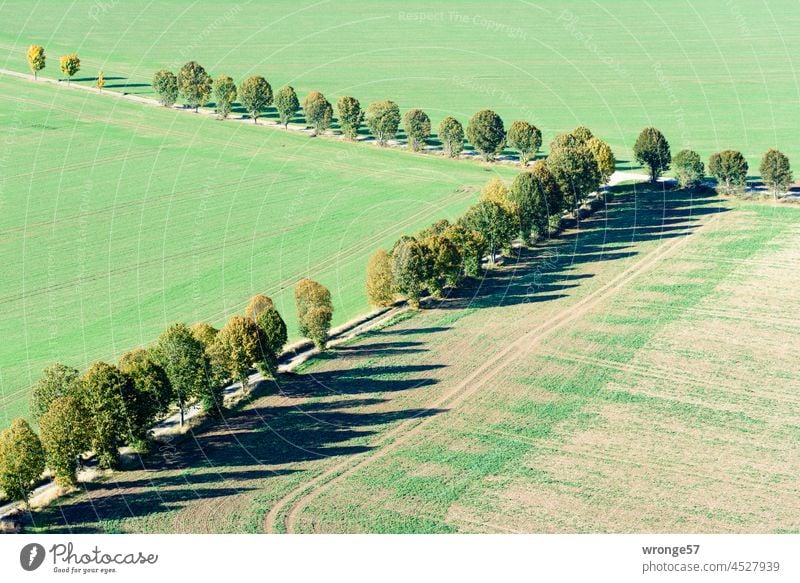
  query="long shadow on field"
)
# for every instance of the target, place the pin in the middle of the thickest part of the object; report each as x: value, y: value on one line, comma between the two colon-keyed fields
x: 314, y: 416
x: 541, y: 273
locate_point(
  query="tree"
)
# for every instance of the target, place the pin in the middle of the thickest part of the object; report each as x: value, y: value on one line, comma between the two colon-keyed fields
x: 379, y: 279
x: 411, y: 269
x: 526, y: 138
x: 576, y: 173
x: 730, y: 169
x: 383, y: 119
x: 566, y: 140
x: 36, y: 59
x: 582, y: 134
x: 255, y: 95
x: 258, y: 304
x: 186, y: 363
x: 312, y: 301
x: 689, y: 169
x: 225, y: 94
x: 417, y: 126
x: 451, y: 133
x: 445, y: 262
x: 652, y: 150
x: 194, y: 85
x: 70, y: 64
x: 64, y: 437
x: 437, y: 228
x: 535, y: 198
x: 287, y: 104
x: 206, y: 334
x: 471, y: 247
x: 497, y: 191
x: 101, y: 81
x: 485, y: 131
x: 275, y: 337
x: 21, y: 460
x: 318, y: 326
x: 775, y: 171
x: 604, y: 156
x: 318, y: 112
x: 351, y: 116
x: 165, y: 84
x: 103, y: 393
x: 57, y: 380
x: 151, y: 396
x: 239, y: 345
x: 497, y: 225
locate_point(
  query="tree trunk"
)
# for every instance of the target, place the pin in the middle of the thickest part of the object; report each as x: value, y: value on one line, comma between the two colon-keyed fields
x: 181, y: 408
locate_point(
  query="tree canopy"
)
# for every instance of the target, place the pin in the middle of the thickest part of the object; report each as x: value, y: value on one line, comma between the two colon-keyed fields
x: 689, y: 168
x: 194, y: 85
x: 351, y: 116
x: 287, y: 104
x: 380, y: 292
x: 165, y: 84
x: 36, y: 59
x: 652, y: 150
x: 255, y: 95
x: 417, y: 126
x: 485, y: 131
x: 22, y: 460
x: 729, y: 167
x: 225, y: 95
x: 451, y: 134
x: 318, y: 112
x: 775, y: 171
x: 69, y: 64
x: 382, y: 119
x: 525, y: 138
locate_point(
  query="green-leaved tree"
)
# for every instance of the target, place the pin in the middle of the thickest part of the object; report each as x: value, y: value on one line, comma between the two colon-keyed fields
x: 451, y: 134
x: 21, y: 460
x: 103, y: 393
x: 486, y: 133
x: 729, y: 167
x: 275, y: 338
x: 225, y: 95
x: 351, y: 116
x: 652, y: 150
x: 65, y: 436
x: 775, y: 171
x: 57, y: 380
x: 525, y: 138
x: 318, y: 112
x: 382, y: 119
x: 255, y: 95
x: 417, y: 126
x: 287, y: 104
x: 165, y: 84
x: 194, y: 85
x: 689, y: 168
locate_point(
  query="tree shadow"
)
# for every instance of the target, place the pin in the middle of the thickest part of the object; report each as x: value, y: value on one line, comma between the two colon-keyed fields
x: 320, y: 415
x: 544, y: 272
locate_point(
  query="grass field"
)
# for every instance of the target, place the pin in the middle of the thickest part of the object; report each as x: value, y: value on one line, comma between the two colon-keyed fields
x: 636, y: 375
x: 119, y: 218
x: 710, y: 75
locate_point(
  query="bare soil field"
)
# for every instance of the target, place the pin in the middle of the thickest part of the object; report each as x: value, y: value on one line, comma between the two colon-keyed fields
x: 635, y: 375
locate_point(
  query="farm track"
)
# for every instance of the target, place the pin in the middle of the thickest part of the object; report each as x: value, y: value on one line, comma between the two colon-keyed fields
x: 294, y: 502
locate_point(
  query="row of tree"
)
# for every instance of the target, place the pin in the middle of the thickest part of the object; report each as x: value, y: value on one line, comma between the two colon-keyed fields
x: 443, y: 254
x: 728, y: 167
x: 109, y: 405
x: 485, y: 130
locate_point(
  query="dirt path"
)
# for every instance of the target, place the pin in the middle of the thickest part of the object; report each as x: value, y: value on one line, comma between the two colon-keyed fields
x: 301, y: 496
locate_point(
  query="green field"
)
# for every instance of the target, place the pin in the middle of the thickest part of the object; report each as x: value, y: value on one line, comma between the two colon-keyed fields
x: 710, y: 75
x: 119, y: 218
x: 633, y: 376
